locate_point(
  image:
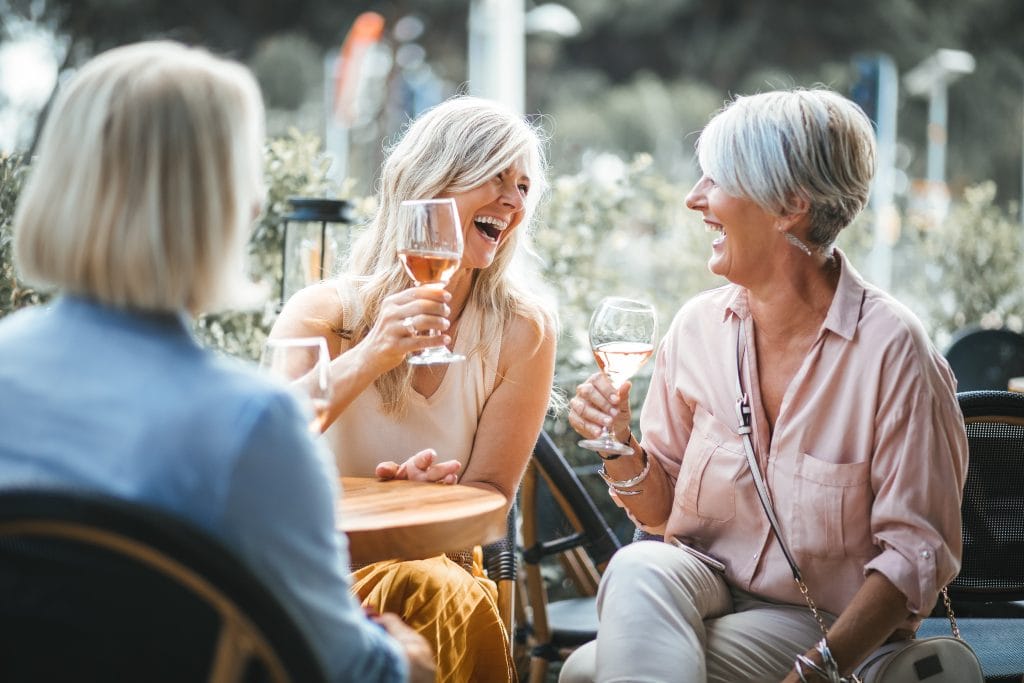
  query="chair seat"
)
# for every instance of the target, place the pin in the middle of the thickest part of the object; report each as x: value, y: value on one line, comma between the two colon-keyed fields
x: 999, y: 643
x: 572, y: 621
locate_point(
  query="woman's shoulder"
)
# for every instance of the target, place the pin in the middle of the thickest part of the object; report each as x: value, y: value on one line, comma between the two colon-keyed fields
x: 316, y: 309
x: 523, y: 330
x: 527, y: 339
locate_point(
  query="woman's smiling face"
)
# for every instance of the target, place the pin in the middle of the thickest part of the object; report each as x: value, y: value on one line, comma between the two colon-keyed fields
x: 490, y: 212
x: 745, y: 230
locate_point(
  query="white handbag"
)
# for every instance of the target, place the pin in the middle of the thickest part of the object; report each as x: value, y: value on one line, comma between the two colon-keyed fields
x: 940, y: 659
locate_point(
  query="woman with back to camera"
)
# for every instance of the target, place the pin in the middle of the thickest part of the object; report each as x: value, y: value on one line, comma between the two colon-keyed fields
x: 137, y: 210
x: 855, y: 426
x: 473, y: 422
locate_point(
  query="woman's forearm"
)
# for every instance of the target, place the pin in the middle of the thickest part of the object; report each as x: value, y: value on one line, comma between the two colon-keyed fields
x: 652, y: 505
x: 875, y: 612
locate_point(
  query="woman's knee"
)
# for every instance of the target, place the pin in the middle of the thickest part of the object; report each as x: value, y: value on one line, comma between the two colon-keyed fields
x: 642, y: 557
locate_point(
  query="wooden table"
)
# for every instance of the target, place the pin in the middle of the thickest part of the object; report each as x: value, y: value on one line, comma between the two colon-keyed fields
x: 411, y: 520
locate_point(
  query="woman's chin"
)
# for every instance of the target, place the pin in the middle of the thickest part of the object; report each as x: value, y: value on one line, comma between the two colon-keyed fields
x: 479, y: 256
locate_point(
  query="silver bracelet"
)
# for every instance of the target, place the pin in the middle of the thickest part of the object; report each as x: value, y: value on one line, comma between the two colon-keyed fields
x: 827, y: 670
x: 618, y: 485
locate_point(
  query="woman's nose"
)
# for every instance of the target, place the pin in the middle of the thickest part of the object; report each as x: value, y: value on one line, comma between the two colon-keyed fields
x: 511, y: 195
x: 696, y: 197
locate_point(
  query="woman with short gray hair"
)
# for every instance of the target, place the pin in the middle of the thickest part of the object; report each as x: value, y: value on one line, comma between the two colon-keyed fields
x: 825, y: 384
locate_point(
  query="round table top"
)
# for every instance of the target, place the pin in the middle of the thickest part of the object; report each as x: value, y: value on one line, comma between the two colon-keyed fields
x: 410, y: 520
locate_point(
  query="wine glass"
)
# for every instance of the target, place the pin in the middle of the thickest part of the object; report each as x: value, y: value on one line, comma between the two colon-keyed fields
x: 622, y: 335
x: 430, y: 248
x: 303, y: 363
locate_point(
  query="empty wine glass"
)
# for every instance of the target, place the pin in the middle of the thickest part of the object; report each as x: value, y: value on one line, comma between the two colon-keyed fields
x: 622, y: 335
x: 430, y: 248
x: 303, y: 363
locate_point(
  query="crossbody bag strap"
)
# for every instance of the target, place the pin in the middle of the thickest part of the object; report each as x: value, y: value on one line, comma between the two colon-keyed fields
x: 744, y: 429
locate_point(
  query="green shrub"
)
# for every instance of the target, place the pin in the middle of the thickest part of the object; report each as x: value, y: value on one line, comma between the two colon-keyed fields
x: 967, y: 269
x: 14, y: 294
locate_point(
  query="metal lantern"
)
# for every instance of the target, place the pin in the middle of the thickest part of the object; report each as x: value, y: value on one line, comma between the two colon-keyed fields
x: 313, y: 235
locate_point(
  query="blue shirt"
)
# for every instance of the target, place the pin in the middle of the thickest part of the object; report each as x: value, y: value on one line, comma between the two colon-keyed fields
x: 128, y: 404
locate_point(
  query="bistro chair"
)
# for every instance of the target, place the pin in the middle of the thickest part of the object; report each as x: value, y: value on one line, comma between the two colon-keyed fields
x: 556, y: 504
x: 986, y: 594
x: 500, y: 563
x: 986, y: 359
x: 94, y: 588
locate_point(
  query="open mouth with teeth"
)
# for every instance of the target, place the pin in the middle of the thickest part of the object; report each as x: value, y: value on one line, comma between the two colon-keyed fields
x: 490, y: 227
x: 717, y: 228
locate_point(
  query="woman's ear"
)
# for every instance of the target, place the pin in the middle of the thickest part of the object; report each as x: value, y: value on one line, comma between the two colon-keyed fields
x: 795, y: 216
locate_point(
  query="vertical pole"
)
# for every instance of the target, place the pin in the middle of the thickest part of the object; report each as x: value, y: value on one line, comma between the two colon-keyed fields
x: 323, y: 247
x: 882, y: 191
x: 938, y: 107
x: 497, y: 51
x: 284, y: 260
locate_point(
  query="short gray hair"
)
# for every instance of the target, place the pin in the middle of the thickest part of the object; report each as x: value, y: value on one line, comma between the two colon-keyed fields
x: 148, y: 174
x: 778, y: 148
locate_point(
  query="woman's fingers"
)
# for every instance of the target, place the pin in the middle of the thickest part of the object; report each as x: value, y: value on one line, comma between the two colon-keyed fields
x: 386, y: 470
x: 421, y: 467
x: 597, y: 405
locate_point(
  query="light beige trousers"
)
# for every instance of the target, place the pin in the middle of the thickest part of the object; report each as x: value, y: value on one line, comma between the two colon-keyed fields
x: 665, y: 617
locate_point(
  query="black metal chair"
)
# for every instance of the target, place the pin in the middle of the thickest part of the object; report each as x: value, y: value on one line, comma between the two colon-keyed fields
x: 94, y: 588
x: 987, y: 592
x: 560, y: 520
x: 986, y: 359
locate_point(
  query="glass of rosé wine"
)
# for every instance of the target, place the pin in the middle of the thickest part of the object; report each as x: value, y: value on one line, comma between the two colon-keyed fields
x: 430, y: 248
x: 303, y: 363
x: 622, y: 333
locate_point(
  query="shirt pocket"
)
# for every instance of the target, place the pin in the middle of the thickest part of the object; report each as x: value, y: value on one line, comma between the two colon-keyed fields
x: 831, y: 508
x: 713, y: 462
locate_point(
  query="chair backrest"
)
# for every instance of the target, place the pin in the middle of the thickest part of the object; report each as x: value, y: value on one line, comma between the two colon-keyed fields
x: 985, y: 359
x: 94, y: 588
x: 993, y: 504
x: 591, y: 530
x: 500, y: 564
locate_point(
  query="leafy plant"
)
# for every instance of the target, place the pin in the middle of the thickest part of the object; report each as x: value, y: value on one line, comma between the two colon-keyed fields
x: 966, y: 270
x: 14, y: 294
x: 294, y: 166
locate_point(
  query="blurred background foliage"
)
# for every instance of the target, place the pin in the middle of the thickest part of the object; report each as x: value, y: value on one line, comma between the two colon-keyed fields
x: 622, y: 101
x: 640, y: 76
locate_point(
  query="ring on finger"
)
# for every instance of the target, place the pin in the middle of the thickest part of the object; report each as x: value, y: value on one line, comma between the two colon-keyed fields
x: 409, y: 327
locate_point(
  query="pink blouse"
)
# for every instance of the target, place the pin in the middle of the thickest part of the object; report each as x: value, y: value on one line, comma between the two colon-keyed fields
x: 866, y: 465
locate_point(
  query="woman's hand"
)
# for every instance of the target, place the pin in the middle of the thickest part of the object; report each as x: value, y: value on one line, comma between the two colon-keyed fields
x: 403, y: 319
x: 597, y: 404
x: 421, y: 467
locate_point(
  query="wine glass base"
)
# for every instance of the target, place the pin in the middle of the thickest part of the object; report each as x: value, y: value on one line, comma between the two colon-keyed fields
x: 605, y: 446
x: 439, y: 358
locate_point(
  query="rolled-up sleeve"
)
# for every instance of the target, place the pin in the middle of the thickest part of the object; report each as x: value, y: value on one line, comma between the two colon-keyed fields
x: 917, y: 473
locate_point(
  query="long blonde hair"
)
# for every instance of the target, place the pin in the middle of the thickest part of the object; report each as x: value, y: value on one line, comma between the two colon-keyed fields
x: 454, y: 147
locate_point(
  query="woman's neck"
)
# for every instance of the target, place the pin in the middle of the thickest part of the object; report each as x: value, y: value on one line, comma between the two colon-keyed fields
x: 797, y: 301
x: 459, y: 287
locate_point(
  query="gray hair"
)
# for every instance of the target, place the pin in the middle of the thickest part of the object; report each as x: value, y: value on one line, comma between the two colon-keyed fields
x: 780, y: 148
x: 148, y: 175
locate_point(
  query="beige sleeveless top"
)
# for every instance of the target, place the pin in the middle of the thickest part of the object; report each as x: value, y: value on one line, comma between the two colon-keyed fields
x: 363, y: 435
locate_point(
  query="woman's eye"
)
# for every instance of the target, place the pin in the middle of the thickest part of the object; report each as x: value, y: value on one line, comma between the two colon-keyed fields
x: 525, y: 189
